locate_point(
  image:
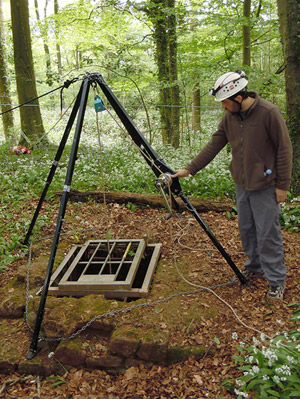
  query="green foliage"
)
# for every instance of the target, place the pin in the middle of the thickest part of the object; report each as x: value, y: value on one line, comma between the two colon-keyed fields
x: 124, y: 169
x: 270, y: 367
x: 8, y: 249
x: 56, y: 380
x: 232, y: 214
x: 131, y: 206
x: 290, y: 216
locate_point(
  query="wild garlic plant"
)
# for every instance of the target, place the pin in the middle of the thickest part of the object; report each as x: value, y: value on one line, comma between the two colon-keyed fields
x: 270, y: 367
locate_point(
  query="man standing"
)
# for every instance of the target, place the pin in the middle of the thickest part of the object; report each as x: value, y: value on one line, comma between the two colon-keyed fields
x: 261, y: 168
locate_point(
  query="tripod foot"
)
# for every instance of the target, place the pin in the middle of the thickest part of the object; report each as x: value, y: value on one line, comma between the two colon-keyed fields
x: 31, y: 354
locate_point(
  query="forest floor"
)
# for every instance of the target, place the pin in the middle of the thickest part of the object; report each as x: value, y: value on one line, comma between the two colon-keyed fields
x: 213, y: 329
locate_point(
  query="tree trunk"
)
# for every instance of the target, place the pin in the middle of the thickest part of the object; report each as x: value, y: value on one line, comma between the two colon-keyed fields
x: 173, y: 74
x: 31, y: 120
x: 58, y: 52
x: 163, y: 17
x: 289, y: 18
x: 49, y: 75
x: 8, y: 118
x: 158, y: 18
x: 196, y: 109
x: 246, y: 33
x: 152, y: 200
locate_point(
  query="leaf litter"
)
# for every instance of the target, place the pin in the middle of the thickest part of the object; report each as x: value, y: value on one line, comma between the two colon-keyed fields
x: 192, y: 378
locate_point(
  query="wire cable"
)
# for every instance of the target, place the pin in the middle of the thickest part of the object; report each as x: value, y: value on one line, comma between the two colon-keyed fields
x: 65, y: 85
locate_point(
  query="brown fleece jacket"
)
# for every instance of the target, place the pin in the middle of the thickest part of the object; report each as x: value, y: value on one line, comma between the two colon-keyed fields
x: 259, y: 143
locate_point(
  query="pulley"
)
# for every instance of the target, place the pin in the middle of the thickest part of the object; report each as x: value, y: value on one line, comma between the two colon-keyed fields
x: 163, y: 183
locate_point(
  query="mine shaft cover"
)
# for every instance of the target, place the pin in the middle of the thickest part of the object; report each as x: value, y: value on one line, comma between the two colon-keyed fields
x: 114, y: 268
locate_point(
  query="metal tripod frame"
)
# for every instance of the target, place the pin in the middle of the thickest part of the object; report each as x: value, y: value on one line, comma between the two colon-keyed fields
x: 156, y: 164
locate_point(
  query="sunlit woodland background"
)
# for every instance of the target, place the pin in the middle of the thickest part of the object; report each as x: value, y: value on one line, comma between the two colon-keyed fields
x: 160, y: 57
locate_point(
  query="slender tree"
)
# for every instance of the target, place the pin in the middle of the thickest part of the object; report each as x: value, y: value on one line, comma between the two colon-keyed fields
x: 158, y: 18
x: 162, y: 15
x: 247, y: 33
x: 49, y: 75
x: 7, y: 118
x: 58, y: 51
x: 173, y: 73
x: 31, y: 120
x: 289, y: 17
x: 196, y: 114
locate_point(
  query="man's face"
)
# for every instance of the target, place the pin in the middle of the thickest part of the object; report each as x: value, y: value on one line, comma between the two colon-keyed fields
x: 231, y: 106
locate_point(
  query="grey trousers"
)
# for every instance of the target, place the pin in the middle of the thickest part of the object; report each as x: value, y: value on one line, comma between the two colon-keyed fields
x: 259, y: 213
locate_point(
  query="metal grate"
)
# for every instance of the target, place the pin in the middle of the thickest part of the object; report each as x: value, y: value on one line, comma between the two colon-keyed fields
x: 115, y: 268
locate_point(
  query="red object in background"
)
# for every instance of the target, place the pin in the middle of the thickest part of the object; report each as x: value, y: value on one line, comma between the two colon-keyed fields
x: 18, y: 149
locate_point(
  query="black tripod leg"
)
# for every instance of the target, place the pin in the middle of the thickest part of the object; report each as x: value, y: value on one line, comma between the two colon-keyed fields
x: 63, y: 204
x: 216, y: 243
x: 54, y: 165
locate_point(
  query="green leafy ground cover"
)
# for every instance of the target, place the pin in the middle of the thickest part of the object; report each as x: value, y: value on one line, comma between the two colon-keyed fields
x: 22, y: 179
x: 120, y: 168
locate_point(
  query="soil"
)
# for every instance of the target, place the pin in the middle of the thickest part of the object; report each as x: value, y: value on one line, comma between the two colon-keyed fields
x: 207, y: 318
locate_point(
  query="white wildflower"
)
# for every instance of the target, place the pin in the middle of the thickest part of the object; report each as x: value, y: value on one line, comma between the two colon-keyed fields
x: 255, y: 369
x: 292, y: 360
x: 239, y: 393
x: 276, y: 379
x: 263, y: 337
x: 278, y: 343
x: 234, y: 336
x: 270, y: 355
x: 284, y: 369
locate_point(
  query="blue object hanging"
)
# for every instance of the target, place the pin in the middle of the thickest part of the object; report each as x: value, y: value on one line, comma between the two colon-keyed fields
x: 99, y: 106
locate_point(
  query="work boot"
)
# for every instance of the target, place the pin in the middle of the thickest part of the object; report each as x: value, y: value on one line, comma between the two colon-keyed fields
x: 250, y: 273
x: 275, y: 292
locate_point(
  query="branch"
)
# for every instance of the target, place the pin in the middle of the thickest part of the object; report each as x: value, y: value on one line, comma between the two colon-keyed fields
x: 266, y: 41
x: 258, y: 9
x: 258, y: 37
x: 225, y: 49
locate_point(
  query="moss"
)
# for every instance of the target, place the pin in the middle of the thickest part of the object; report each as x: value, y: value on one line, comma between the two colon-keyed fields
x: 156, y: 336
x: 178, y: 354
x: 127, y: 332
x: 15, y: 283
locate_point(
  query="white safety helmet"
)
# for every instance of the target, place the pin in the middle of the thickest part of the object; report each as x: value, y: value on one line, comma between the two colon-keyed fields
x: 228, y: 85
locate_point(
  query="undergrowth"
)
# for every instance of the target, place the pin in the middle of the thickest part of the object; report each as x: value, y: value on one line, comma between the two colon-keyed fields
x: 270, y: 367
x: 23, y: 177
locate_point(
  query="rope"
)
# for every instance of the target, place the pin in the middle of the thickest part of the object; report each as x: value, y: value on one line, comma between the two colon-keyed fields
x: 210, y: 290
x: 55, y: 124
x: 100, y: 316
x: 65, y: 85
x: 199, y: 287
x: 103, y: 187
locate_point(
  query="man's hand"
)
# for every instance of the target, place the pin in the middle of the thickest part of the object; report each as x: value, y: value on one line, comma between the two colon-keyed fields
x: 281, y: 195
x: 181, y: 173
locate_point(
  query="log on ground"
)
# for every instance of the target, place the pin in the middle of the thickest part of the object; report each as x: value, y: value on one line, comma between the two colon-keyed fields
x: 151, y: 200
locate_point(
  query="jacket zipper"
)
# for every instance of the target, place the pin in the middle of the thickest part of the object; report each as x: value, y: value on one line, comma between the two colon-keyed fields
x: 242, y: 154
